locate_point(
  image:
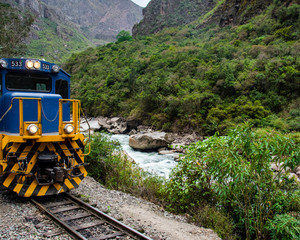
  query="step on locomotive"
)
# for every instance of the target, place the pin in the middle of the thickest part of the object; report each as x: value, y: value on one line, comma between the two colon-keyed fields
x: 42, y: 149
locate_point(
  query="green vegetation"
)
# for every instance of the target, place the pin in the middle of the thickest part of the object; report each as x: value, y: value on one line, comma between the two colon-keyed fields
x: 14, y: 28
x: 124, y: 36
x: 207, y: 79
x: 165, y: 14
x: 111, y: 167
x: 210, y: 13
x: 225, y: 182
x: 56, y: 42
x: 233, y: 174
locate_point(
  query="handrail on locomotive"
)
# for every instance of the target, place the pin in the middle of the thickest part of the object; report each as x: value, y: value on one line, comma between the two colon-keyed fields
x: 76, y: 110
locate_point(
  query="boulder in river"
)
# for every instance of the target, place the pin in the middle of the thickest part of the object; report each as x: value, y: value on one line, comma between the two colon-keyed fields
x: 92, y: 124
x: 116, y: 125
x: 148, y: 141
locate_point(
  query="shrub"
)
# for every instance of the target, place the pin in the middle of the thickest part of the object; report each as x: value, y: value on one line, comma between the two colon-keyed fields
x: 124, y: 36
x: 284, y: 227
x: 234, y: 173
x: 225, y: 182
x: 210, y: 217
x: 101, y: 157
x: 285, y: 33
x: 294, y: 124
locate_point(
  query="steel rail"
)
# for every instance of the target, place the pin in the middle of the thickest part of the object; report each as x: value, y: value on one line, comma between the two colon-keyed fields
x: 117, y: 224
x: 70, y: 230
x: 94, y: 212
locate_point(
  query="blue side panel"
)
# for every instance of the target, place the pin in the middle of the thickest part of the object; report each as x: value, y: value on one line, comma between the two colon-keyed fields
x: 50, y: 112
x: 50, y: 102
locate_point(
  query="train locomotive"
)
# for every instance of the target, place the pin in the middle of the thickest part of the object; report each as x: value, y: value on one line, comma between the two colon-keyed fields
x: 42, y: 149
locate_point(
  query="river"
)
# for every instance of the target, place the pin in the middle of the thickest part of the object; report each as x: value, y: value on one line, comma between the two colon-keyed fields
x: 152, y: 162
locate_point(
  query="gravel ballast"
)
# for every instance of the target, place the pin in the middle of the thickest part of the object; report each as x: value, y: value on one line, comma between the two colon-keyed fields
x: 19, y: 219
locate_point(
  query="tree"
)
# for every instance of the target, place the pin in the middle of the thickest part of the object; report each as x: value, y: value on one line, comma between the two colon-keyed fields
x: 124, y: 36
x: 14, y: 28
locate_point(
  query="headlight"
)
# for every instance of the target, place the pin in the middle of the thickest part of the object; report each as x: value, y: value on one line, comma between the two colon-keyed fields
x: 33, y: 64
x: 69, y: 128
x: 29, y: 64
x: 55, y: 68
x: 3, y: 63
x: 37, y: 65
x: 32, y: 128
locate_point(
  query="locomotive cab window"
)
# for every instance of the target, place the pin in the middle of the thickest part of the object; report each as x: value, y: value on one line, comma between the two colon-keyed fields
x: 61, y: 88
x: 28, y: 82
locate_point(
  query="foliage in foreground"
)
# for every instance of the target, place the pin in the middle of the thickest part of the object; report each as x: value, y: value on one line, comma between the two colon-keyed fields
x: 233, y: 174
x: 206, y: 79
x: 225, y: 182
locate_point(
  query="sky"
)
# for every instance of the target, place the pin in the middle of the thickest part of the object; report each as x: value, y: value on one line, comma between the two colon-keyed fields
x: 142, y: 3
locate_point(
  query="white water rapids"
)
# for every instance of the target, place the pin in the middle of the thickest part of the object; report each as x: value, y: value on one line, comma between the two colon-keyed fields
x: 152, y: 162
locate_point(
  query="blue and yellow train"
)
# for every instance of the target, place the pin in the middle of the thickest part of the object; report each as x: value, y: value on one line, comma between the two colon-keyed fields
x: 42, y: 149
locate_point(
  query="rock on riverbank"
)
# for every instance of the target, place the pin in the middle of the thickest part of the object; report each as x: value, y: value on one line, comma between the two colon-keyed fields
x: 116, y: 125
x: 142, y: 138
x: 148, y: 141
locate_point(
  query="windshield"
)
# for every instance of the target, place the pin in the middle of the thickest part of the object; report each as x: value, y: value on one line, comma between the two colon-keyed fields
x: 28, y: 82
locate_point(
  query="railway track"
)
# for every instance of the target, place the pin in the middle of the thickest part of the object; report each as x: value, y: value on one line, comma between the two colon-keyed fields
x: 83, y: 221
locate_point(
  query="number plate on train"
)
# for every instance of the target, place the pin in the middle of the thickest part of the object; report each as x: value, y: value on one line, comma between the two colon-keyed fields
x: 46, y: 66
x: 17, y: 63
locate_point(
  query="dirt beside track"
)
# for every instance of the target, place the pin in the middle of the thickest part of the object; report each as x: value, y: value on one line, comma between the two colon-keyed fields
x: 19, y: 219
x: 142, y: 215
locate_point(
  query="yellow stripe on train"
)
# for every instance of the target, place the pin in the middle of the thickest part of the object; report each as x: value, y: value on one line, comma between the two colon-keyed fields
x: 37, y: 168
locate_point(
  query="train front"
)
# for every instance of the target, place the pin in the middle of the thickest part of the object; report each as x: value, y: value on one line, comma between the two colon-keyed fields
x: 42, y: 149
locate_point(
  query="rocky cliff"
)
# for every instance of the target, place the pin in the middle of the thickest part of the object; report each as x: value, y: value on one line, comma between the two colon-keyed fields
x: 237, y: 12
x: 99, y: 19
x: 36, y: 8
x: 170, y: 13
x: 64, y: 27
x: 96, y: 19
x: 160, y: 14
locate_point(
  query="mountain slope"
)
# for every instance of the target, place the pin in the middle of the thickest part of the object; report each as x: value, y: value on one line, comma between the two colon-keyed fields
x: 64, y: 27
x: 205, y: 79
x: 160, y: 14
x: 170, y: 13
x: 99, y: 19
x: 14, y: 28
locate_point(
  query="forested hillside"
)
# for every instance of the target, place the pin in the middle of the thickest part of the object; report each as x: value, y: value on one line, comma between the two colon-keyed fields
x: 205, y: 79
